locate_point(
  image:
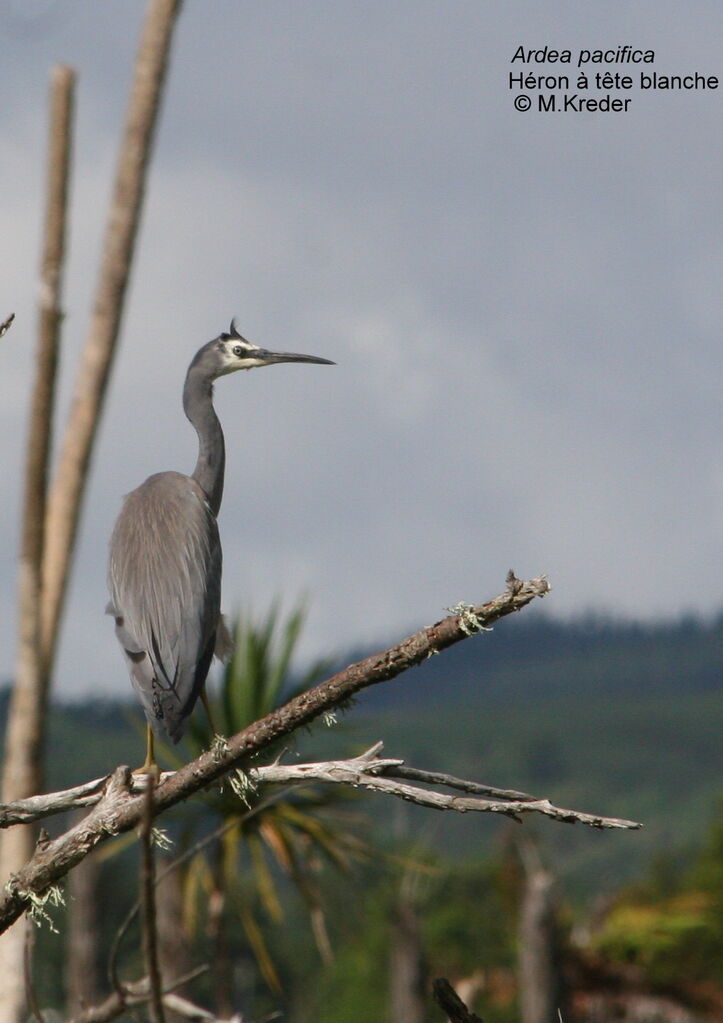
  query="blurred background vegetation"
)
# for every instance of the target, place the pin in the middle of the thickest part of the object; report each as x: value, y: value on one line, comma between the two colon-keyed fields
x: 307, y: 901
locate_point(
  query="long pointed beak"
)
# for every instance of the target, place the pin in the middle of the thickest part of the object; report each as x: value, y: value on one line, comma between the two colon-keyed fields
x: 269, y: 358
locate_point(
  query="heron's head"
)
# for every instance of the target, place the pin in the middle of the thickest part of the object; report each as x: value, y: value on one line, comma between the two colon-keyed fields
x: 230, y: 352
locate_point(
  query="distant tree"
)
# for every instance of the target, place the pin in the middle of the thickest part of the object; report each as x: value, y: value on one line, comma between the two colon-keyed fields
x: 408, y: 974
x: 427, y: 917
x: 51, y: 514
x: 667, y: 932
x: 174, y: 944
x: 539, y: 947
x: 84, y: 977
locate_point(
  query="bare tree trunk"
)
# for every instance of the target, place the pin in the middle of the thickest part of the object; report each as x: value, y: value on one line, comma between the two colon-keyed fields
x: 126, y: 206
x: 221, y: 964
x: 23, y: 766
x: 173, y: 943
x: 539, y: 950
x: 84, y: 972
x: 157, y: 1012
x: 47, y: 553
x: 407, y: 996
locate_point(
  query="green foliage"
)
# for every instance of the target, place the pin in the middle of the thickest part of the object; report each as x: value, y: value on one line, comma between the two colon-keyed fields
x: 264, y: 836
x: 465, y: 930
x: 675, y: 938
x: 669, y: 941
x: 355, y: 987
x: 609, y: 717
x: 258, y: 678
x: 467, y: 922
x: 631, y: 757
x: 708, y: 870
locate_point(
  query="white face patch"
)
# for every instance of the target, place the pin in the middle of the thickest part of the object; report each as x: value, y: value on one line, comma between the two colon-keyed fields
x: 238, y: 354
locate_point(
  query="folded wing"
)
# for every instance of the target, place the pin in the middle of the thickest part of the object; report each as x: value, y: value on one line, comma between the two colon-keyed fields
x: 164, y: 578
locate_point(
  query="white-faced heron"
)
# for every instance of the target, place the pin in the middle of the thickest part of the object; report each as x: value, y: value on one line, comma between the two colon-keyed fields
x: 164, y: 572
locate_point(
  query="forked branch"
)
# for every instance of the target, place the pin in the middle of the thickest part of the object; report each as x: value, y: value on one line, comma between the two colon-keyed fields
x: 120, y: 809
x: 369, y: 771
x: 135, y: 995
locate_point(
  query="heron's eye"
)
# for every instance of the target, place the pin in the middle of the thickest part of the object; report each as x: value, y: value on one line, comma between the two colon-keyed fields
x: 238, y: 351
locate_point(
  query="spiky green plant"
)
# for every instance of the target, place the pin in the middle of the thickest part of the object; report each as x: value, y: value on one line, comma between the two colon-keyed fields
x: 264, y: 835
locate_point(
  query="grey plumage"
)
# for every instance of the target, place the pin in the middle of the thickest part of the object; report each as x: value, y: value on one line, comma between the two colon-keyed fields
x: 164, y: 572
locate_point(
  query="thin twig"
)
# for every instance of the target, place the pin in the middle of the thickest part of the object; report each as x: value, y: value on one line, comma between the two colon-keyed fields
x: 187, y: 854
x: 183, y: 1007
x: 450, y: 782
x: 35, y: 808
x: 379, y: 776
x: 6, y: 324
x: 148, y: 896
x: 133, y: 995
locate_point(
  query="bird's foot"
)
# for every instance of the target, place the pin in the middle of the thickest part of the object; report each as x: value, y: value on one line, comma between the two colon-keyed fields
x: 150, y: 767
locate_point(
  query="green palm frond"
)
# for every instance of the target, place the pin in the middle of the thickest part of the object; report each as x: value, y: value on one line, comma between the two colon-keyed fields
x: 260, y: 950
x: 265, y: 885
x: 339, y: 847
x: 198, y: 883
x: 300, y: 829
x: 258, y: 678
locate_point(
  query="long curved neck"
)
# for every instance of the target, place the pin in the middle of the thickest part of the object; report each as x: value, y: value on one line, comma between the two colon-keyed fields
x: 198, y: 406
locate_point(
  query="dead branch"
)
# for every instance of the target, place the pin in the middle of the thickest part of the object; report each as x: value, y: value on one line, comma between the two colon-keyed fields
x: 367, y: 771
x: 304, y: 708
x: 188, y: 854
x: 377, y: 775
x: 196, y: 1014
x: 34, y: 808
x: 22, y: 772
x: 148, y: 900
x: 451, y: 1004
x: 132, y: 995
x: 126, y: 207
x: 6, y: 324
x: 450, y: 782
x: 120, y: 810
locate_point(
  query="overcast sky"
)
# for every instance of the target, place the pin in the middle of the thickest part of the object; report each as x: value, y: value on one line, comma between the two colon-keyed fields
x: 525, y: 308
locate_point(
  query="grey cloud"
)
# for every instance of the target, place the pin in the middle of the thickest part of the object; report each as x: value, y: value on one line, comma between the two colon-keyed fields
x: 525, y: 310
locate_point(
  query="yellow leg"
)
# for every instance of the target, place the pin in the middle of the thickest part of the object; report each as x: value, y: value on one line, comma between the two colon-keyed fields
x: 150, y: 766
x: 207, y: 705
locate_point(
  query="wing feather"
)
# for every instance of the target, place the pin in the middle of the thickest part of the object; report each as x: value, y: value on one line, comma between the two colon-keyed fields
x: 164, y: 578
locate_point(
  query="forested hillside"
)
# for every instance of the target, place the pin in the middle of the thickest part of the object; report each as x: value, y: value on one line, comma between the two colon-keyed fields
x: 611, y: 717
x: 608, y: 717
